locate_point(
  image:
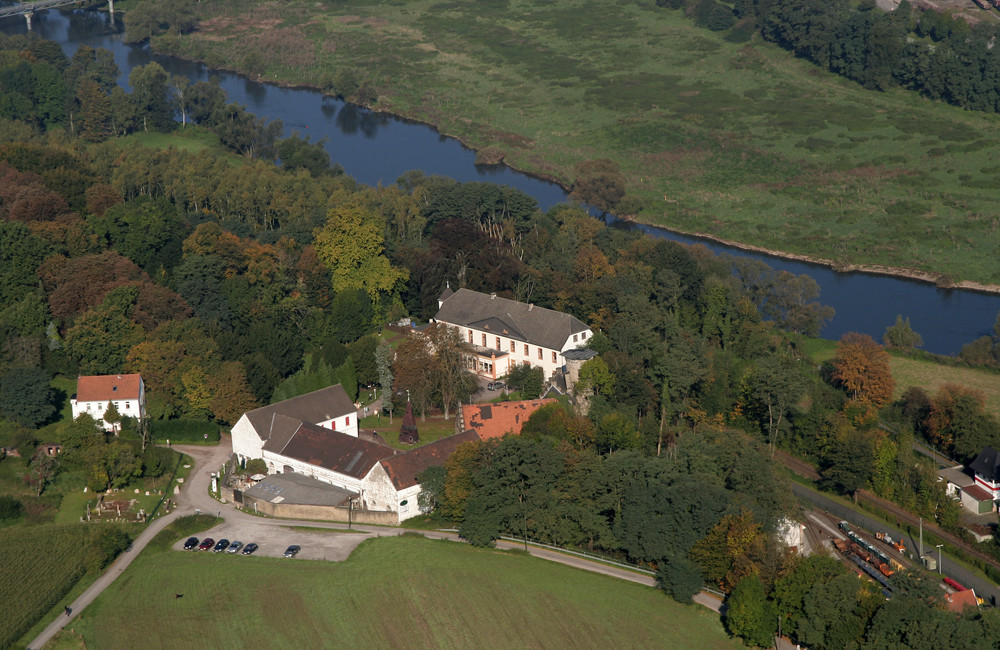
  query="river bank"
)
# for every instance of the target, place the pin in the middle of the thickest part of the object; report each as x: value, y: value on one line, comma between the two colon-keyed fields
x: 937, y: 279
x: 837, y: 176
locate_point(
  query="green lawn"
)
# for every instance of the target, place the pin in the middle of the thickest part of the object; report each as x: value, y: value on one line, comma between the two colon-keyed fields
x: 738, y: 141
x: 435, y: 428
x: 391, y: 593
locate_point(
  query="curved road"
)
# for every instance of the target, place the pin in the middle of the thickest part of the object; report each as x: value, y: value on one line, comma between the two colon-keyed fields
x: 274, y: 535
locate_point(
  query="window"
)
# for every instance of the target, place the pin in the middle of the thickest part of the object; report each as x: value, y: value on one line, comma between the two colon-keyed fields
x: 498, y: 343
x: 128, y: 405
x: 553, y: 357
x: 575, y: 337
x: 470, y: 336
x: 347, y: 421
x: 525, y: 349
x: 513, y: 346
x: 584, y: 336
x: 484, y: 340
x: 539, y: 354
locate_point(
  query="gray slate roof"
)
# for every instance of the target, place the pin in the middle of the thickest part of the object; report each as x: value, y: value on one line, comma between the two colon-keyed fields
x: 509, y: 318
x: 582, y: 354
x: 987, y: 464
x: 298, y: 489
x: 279, y: 420
x: 331, y: 450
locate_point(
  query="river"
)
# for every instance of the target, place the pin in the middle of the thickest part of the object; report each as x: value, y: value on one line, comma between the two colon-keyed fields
x: 375, y: 148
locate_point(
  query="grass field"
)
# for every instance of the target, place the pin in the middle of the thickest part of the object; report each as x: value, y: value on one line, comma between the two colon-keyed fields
x: 391, y: 593
x: 34, y: 576
x: 930, y: 376
x: 738, y: 141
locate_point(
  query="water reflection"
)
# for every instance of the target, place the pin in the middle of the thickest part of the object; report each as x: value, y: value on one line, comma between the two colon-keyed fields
x: 351, y: 120
x: 255, y: 92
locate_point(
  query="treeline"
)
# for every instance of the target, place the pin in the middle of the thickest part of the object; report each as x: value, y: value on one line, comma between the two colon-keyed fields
x: 41, y: 86
x: 941, y: 56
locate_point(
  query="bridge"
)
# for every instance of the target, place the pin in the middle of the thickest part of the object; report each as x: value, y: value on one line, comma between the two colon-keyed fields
x: 27, y: 9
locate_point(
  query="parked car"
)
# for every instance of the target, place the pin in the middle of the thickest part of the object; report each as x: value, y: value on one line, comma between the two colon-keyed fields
x: 292, y: 550
x: 249, y: 549
x: 495, y: 385
x: 192, y: 542
x: 221, y: 545
x: 206, y: 544
x: 235, y: 546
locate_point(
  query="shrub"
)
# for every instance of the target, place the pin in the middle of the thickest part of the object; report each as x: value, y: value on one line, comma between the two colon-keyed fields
x: 10, y: 508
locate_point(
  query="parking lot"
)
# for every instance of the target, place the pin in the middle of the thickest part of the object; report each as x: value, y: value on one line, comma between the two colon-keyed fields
x: 274, y: 537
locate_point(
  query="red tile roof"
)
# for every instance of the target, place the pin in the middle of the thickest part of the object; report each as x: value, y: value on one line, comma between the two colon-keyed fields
x: 959, y: 600
x: 102, y: 388
x: 977, y: 493
x: 403, y: 469
x: 499, y: 419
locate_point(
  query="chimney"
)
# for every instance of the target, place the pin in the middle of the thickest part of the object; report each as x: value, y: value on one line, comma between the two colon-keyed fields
x: 531, y: 306
x: 493, y: 296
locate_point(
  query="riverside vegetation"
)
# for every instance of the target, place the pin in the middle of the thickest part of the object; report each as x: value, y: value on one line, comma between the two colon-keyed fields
x: 737, y: 141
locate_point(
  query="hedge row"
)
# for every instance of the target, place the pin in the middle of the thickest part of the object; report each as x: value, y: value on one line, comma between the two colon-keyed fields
x: 181, y: 431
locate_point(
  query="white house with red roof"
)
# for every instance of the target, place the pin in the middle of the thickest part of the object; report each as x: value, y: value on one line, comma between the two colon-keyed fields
x: 96, y: 393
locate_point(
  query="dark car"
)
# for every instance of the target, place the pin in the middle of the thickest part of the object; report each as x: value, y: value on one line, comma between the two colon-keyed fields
x: 206, y: 544
x: 292, y: 550
x: 235, y: 546
x: 249, y: 549
x: 222, y: 545
x: 495, y: 385
x: 191, y: 543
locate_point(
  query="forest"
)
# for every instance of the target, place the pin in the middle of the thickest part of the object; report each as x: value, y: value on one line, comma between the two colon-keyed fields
x: 940, y: 55
x: 248, y: 268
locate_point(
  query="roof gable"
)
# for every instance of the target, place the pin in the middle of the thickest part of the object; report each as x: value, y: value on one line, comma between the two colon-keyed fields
x: 536, y: 325
x: 315, y: 407
x: 402, y: 469
x: 103, y: 388
x: 329, y: 449
x: 501, y: 418
x: 986, y: 464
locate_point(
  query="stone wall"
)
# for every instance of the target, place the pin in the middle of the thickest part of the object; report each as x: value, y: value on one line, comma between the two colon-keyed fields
x: 318, y: 513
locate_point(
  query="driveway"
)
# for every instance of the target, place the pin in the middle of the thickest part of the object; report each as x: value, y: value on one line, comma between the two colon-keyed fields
x: 328, y: 541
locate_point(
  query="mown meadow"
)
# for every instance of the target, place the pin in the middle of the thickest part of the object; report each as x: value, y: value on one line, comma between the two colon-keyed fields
x: 392, y: 592
x: 739, y: 141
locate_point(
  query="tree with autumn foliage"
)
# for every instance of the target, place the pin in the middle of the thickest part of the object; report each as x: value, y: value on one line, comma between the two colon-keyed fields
x: 861, y: 366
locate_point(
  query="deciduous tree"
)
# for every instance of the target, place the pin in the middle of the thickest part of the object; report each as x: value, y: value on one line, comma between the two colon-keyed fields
x: 862, y: 367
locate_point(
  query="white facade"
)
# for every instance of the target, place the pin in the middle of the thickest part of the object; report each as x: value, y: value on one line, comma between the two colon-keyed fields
x: 380, y: 494
x: 247, y: 443
x: 496, y: 354
x: 276, y: 464
x: 96, y: 394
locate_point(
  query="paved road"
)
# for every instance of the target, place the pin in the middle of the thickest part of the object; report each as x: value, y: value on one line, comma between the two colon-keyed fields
x: 274, y: 535
x: 983, y: 587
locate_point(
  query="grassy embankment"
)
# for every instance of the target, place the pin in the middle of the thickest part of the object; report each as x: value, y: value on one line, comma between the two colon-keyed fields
x: 392, y: 592
x: 927, y: 374
x: 740, y: 142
